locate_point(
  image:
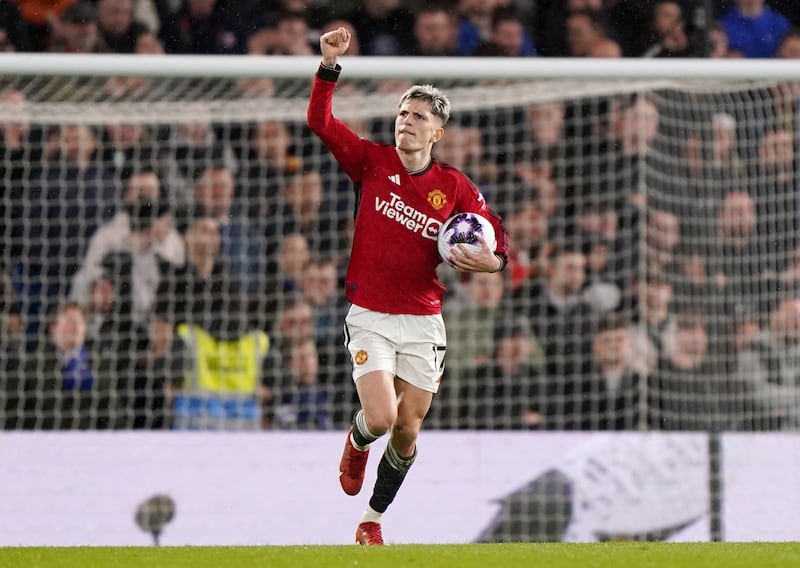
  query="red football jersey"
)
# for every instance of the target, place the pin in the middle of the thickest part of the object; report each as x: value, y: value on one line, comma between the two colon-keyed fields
x: 393, y: 262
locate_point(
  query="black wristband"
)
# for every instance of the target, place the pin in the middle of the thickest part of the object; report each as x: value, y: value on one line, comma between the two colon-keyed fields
x: 329, y: 73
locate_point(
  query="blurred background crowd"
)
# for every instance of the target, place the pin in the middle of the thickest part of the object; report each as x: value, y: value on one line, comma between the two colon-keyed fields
x: 510, y: 28
x: 188, y: 275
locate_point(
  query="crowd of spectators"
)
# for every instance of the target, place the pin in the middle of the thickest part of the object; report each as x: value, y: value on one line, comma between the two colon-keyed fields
x: 510, y: 28
x: 189, y: 275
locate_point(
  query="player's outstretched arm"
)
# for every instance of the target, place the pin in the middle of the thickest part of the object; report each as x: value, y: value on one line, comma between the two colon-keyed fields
x: 332, y: 45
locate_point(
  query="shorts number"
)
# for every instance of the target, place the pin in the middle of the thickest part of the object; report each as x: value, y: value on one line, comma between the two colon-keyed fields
x: 439, y: 353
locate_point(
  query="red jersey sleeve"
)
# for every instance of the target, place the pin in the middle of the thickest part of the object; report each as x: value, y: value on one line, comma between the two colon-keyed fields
x: 345, y: 145
x: 471, y: 199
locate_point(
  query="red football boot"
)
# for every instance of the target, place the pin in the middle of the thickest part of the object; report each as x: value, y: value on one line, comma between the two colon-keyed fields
x: 369, y: 534
x: 352, y: 467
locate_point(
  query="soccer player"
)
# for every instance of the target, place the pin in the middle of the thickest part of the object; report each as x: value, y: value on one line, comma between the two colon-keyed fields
x: 394, y: 329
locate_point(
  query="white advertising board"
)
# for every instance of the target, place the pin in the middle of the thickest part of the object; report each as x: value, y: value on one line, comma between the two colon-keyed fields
x: 82, y: 488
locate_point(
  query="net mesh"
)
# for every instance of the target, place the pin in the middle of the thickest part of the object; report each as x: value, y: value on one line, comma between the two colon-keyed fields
x: 650, y: 286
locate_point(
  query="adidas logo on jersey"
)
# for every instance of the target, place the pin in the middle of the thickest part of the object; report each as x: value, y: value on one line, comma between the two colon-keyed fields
x: 395, y: 179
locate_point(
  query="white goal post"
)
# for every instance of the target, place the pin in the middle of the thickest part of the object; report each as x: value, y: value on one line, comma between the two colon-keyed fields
x: 389, y: 67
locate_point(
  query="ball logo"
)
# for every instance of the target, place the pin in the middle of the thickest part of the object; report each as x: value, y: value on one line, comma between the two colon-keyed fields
x: 437, y: 199
x: 361, y: 357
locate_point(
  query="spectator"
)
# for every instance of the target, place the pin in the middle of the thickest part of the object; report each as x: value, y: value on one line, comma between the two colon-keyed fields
x: 20, y: 141
x: 474, y: 24
x: 776, y: 160
x: 550, y: 24
x: 272, y: 151
x: 610, y: 387
x: 635, y: 126
x: 584, y: 32
x: 288, y: 36
x: 602, y: 291
x: 189, y: 147
x: 754, y: 29
x: 204, y: 304
x: 725, y: 162
x: 383, y: 27
x: 76, y: 30
x: 689, y: 391
x: 527, y: 233
x: 303, y: 403
x: 144, y: 230
x: 270, y: 161
x: 462, y: 147
x: 61, y: 386
x: 769, y: 366
x: 790, y: 45
x: 319, y: 284
x: 308, y: 212
x: 561, y: 322
x: 505, y: 391
x: 545, y: 127
x: 242, y: 244
x: 669, y: 36
x: 127, y: 147
x: 294, y: 254
x: 68, y: 185
x: 775, y: 190
x: 720, y: 47
x: 663, y: 233
x: 508, y: 36
x: 658, y: 293
x: 471, y: 341
x: 117, y: 29
x: 12, y: 411
x: 435, y: 32
x: 201, y: 27
x: 293, y: 324
x: 122, y: 347
x: 738, y: 261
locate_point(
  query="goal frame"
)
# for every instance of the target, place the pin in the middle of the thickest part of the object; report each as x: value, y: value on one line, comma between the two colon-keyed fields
x: 280, y: 66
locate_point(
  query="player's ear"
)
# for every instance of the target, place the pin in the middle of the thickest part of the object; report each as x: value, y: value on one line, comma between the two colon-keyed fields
x: 437, y: 134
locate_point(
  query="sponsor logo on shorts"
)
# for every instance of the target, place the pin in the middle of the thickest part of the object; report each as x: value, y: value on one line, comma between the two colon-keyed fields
x: 361, y: 357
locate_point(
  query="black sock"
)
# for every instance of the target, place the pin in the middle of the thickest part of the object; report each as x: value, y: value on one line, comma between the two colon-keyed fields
x: 392, y: 470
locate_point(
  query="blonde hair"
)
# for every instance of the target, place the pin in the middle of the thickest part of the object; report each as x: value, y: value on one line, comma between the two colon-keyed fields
x: 437, y: 101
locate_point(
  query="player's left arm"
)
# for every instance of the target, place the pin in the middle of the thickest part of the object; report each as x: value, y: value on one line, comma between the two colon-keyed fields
x: 486, y: 260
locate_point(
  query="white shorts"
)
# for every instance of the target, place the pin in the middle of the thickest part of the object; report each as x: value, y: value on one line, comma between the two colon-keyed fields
x: 410, y: 347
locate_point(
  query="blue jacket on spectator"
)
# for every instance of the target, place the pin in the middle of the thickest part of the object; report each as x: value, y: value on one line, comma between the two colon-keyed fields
x: 755, y: 37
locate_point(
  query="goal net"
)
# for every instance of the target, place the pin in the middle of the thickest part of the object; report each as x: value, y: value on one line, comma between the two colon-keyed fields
x: 173, y: 250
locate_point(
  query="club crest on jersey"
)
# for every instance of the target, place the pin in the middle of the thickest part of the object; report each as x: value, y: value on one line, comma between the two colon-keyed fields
x: 437, y: 199
x: 361, y: 357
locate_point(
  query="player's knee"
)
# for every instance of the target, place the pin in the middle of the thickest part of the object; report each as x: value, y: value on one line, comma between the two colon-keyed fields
x: 406, y: 432
x: 380, y: 423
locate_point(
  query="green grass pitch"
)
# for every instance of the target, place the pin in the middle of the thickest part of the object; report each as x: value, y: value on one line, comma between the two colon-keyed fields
x: 612, y: 555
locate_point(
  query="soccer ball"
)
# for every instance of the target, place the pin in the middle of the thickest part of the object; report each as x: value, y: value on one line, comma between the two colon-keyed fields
x: 463, y: 228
